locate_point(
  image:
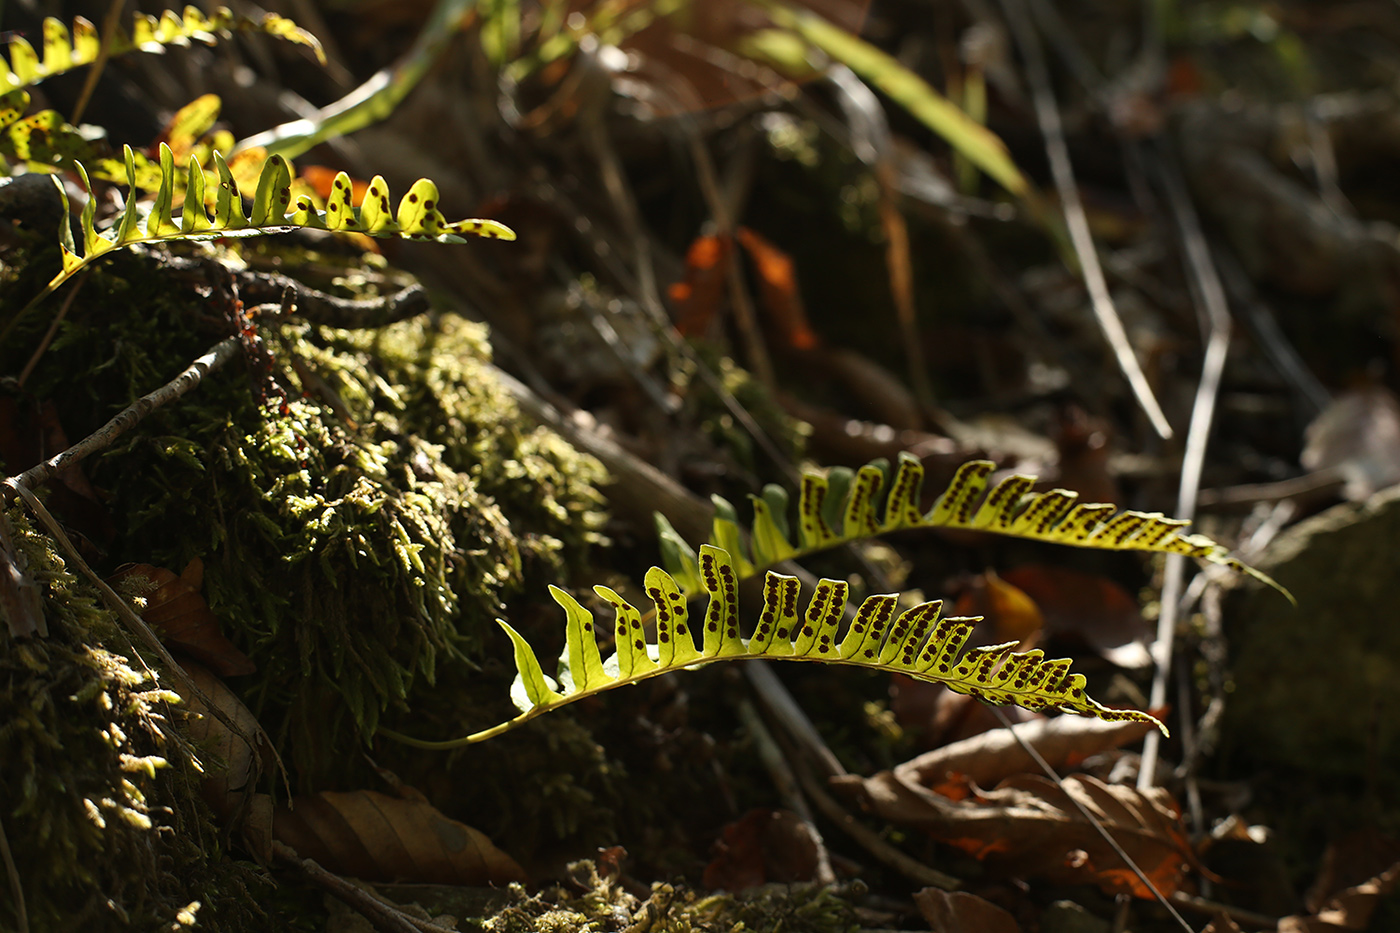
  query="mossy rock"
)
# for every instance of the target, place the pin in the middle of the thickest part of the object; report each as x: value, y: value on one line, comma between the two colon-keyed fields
x: 1314, y: 685
x: 99, y: 804
x: 359, y: 542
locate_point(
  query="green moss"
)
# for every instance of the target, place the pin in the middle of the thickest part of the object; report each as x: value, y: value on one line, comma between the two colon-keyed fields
x: 605, y: 905
x: 354, y: 544
x: 97, y: 797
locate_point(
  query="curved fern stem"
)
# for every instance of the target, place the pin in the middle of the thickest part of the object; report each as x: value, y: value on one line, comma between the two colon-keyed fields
x: 62, y: 50
x: 845, y: 506
x: 917, y: 642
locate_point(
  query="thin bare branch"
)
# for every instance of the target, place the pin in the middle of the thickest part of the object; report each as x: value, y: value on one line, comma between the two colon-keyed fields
x: 1057, y: 150
x: 1209, y: 295
x: 131, y: 416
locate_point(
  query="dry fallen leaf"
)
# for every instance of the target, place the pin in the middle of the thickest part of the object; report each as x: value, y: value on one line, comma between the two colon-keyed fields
x: 175, y: 608
x: 985, y: 759
x: 698, y: 297
x: 375, y: 837
x: 1089, y: 608
x: 1030, y: 827
x: 763, y: 846
x: 777, y: 290
x: 961, y: 912
x: 229, y: 783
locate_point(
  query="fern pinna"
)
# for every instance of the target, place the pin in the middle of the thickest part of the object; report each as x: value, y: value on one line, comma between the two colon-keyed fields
x: 63, y: 51
x: 273, y: 210
x: 843, y: 506
x: 918, y: 642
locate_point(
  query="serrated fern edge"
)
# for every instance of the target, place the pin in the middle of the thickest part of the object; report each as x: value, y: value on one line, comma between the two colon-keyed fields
x: 918, y: 642
x: 273, y: 211
x: 63, y: 50
x: 846, y: 506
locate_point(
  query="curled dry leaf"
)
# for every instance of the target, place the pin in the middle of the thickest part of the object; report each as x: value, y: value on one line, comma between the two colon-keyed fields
x: 175, y: 608
x: 1030, y: 827
x: 375, y: 837
x: 1349, y: 910
x: 962, y: 912
x: 985, y: 759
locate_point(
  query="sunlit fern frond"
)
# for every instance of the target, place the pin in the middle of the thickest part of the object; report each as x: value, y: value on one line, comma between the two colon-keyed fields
x: 917, y: 642
x: 847, y: 506
x: 274, y: 210
x: 62, y: 50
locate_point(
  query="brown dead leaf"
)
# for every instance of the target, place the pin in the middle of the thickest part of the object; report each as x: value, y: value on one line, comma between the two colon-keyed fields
x: 375, y: 837
x: 1082, y: 442
x: 1011, y: 615
x: 1353, y: 859
x: 763, y: 846
x: 1029, y: 826
x: 1347, y: 910
x: 698, y: 297
x: 180, y: 615
x: 777, y: 290
x: 1088, y: 608
x: 961, y: 912
x: 985, y: 759
x: 681, y: 64
x: 227, y: 786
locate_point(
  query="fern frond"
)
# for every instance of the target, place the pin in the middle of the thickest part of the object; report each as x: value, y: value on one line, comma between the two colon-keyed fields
x: 848, y: 506
x: 273, y: 210
x: 62, y: 50
x: 918, y: 642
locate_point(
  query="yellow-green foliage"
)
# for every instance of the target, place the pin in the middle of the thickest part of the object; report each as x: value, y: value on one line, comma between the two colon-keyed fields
x: 349, y: 562
x: 63, y: 51
x: 94, y: 793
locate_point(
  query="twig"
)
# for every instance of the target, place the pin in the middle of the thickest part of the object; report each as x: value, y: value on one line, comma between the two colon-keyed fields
x: 16, y: 888
x: 1209, y: 295
x: 787, y: 785
x: 755, y: 350
x: 384, y: 917
x: 779, y: 702
x: 53, y: 328
x: 862, y: 108
x: 868, y: 839
x: 1057, y: 150
x: 1214, y: 908
x: 1093, y: 820
x: 132, y: 415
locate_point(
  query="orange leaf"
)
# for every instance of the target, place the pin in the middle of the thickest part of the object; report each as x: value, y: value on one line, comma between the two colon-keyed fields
x: 1089, y: 608
x: 777, y: 282
x: 321, y: 179
x: 1012, y: 615
x: 699, y: 295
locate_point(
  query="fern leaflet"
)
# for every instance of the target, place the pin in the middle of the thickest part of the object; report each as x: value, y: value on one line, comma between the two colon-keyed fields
x: 273, y: 211
x: 918, y: 642
x: 847, y: 506
x: 63, y: 51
